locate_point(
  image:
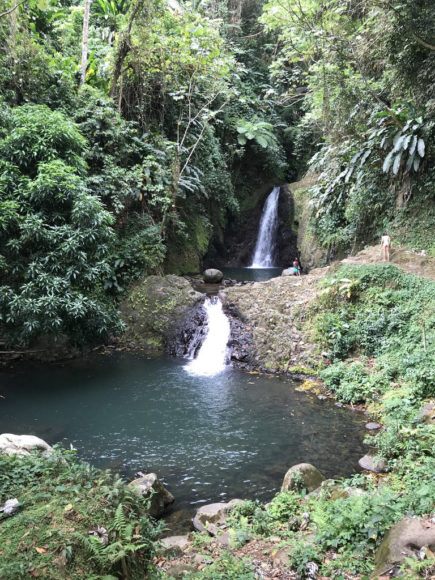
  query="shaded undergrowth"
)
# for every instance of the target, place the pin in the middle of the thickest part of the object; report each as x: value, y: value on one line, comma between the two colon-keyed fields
x: 74, y: 521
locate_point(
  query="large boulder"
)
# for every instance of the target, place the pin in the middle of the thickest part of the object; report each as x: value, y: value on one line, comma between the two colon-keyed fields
x: 372, y: 463
x: 154, y: 310
x: 212, y: 276
x: 427, y: 413
x: 150, y: 487
x: 211, y: 518
x: 404, y: 540
x: 302, y: 476
x: 174, y: 545
x: 23, y: 445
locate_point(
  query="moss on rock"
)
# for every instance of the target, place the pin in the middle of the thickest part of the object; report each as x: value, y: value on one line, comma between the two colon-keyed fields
x: 312, y: 255
x: 153, y: 308
x: 185, y: 254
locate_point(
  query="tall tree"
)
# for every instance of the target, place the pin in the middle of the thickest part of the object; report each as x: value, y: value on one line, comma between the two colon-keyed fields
x: 85, y: 38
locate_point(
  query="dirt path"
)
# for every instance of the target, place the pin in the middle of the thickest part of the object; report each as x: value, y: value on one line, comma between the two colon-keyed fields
x: 407, y: 260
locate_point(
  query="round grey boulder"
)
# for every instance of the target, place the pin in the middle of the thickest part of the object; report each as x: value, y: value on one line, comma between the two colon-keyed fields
x: 149, y: 486
x: 23, y: 445
x: 213, y: 276
x: 372, y: 426
x: 302, y: 476
x: 372, y: 463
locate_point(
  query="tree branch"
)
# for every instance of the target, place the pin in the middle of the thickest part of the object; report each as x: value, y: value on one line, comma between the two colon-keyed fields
x: 423, y: 42
x: 6, y: 12
x: 200, y: 137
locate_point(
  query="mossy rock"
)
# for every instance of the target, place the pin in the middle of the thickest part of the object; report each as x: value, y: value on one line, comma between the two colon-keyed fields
x: 153, y: 308
x: 185, y: 256
x: 312, y: 255
x: 404, y: 540
x: 302, y: 476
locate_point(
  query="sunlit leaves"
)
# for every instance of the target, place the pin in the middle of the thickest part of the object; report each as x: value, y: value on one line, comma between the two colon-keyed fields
x: 257, y: 131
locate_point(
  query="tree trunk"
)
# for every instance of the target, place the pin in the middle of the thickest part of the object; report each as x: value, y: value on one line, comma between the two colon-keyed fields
x: 122, y: 52
x: 85, y: 38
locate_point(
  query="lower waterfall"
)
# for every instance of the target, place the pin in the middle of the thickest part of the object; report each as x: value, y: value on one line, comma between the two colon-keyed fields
x: 212, y: 356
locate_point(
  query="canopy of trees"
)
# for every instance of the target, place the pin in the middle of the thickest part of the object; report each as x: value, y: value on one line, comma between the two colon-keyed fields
x: 132, y: 130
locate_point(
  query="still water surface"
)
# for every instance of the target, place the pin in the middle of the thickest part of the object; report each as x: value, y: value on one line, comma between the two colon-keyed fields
x: 251, y: 274
x: 208, y: 438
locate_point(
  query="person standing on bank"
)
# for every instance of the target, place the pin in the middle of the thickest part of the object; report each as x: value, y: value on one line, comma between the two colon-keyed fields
x: 386, y: 245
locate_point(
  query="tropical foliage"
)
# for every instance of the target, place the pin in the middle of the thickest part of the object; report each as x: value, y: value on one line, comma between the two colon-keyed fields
x: 358, y: 73
x: 118, y: 176
x: 84, y: 522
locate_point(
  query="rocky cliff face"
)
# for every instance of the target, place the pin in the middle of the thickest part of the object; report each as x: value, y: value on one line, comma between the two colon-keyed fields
x: 273, y: 313
x: 310, y: 252
x: 154, y: 310
x: 287, y: 237
x: 236, y: 247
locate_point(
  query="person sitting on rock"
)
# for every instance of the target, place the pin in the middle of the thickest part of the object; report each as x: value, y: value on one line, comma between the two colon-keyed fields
x: 296, y: 267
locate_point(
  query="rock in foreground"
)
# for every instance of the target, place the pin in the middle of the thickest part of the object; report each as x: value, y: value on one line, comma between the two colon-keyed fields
x: 149, y: 486
x: 211, y: 518
x: 213, y: 276
x: 23, y: 445
x: 404, y: 540
x: 174, y: 545
x: 302, y: 476
x: 371, y: 463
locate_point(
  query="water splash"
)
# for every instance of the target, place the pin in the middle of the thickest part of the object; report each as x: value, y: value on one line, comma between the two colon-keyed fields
x: 212, y: 357
x: 267, y: 233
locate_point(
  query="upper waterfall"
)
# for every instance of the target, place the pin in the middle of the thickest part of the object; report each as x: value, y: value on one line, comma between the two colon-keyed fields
x: 266, y: 240
x: 213, y: 354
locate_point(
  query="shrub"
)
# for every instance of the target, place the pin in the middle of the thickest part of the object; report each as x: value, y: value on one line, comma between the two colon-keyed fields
x: 55, y: 238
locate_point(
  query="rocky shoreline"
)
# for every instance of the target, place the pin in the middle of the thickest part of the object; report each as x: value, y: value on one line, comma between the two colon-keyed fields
x: 217, y: 523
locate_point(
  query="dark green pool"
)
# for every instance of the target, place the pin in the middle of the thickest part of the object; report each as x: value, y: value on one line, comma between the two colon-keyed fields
x: 251, y: 274
x: 232, y: 435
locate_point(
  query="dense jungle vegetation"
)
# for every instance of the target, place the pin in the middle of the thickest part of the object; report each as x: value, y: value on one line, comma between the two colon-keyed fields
x: 132, y: 134
x: 127, y: 144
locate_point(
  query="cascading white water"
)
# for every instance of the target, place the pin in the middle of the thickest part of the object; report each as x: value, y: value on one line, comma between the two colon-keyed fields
x: 212, y: 356
x: 265, y: 246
